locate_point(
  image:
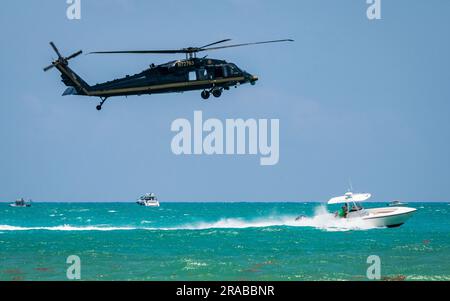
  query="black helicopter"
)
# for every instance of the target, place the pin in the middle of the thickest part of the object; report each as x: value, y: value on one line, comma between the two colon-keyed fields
x: 212, y: 76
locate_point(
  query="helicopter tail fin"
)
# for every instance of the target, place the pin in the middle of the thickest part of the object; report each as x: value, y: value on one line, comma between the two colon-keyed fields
x: 77, y: 86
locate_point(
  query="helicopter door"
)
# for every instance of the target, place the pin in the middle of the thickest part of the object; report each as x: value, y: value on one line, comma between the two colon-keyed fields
x: 218, y: 72
x: 192, y: 76
x: 226, y: 71
x: 202, y: 74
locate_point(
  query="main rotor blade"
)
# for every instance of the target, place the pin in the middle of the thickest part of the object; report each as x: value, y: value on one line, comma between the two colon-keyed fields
x: 48, y: 68
x: 246, y: 44
x: 215, y: 43
x: 189, y: 49
x: 139, y: 52
x: 55, y: 49
x: 74, y: 55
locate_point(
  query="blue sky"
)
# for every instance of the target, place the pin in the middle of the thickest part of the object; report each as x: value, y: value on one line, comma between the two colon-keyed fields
x: 359, y: 99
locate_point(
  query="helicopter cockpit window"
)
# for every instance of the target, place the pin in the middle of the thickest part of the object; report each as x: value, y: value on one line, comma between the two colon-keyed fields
x: 234, y: 70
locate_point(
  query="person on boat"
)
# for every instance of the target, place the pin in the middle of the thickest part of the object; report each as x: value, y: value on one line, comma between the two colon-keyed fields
x: 342, y: 212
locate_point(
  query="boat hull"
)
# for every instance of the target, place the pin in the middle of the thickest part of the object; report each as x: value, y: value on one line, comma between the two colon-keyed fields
x: 390, y: 217
x: 148, y: 204
x: 151, y: 205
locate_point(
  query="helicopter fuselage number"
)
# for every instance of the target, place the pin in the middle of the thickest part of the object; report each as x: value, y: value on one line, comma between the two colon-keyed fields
x: 185, y: 64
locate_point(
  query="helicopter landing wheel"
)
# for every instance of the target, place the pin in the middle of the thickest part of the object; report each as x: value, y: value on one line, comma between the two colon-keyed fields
x: 99, y: 107
x: 205, y: 94
x: 217, y: 93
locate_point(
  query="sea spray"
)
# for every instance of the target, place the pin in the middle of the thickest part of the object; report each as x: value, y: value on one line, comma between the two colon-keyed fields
x: 322, y: 219
x: 325, y: 220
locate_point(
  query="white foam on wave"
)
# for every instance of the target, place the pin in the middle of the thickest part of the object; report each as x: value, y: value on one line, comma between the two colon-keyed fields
x: 64, y: 228
x: 322, y: 219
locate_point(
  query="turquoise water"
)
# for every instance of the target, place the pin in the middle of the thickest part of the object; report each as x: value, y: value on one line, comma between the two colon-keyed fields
x: 216, y: 241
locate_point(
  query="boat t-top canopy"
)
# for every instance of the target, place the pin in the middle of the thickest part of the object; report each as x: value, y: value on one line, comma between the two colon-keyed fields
x: 350, y: 197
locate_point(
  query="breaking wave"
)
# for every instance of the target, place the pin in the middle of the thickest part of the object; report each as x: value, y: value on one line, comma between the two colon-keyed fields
x: 64, y: 228
x: 322, y: 219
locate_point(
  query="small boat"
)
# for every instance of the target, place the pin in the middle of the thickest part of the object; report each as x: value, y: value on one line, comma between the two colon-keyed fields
x: 390, y: 217
x: 20, y: 203
x: 148, y: 200
x: 396, y: 203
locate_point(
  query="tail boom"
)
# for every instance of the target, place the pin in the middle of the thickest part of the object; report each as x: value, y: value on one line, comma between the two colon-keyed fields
x: 77, y: 86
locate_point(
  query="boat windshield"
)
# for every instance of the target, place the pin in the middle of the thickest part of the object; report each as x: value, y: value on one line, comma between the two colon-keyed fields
x: 356, y: 206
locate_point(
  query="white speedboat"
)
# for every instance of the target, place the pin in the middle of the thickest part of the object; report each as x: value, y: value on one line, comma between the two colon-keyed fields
x: 148, y: 200
x: 378, y: 217
x: 20, y: 203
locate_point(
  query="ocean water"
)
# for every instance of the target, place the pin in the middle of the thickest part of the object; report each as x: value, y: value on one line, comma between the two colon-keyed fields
x: 217, y: 241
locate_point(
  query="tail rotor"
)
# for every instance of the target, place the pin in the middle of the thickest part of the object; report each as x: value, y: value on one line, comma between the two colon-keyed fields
x: 56, y: 50
x: 61, y: 60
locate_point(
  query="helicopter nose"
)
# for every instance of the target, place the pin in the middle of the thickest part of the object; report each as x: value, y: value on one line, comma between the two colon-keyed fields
x: 253, y: 79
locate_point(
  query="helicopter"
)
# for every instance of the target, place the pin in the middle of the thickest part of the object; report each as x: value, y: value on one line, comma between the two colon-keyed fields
x: 211, y: 76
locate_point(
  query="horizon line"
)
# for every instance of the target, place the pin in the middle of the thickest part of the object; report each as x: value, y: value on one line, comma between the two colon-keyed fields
x: 133, y: 202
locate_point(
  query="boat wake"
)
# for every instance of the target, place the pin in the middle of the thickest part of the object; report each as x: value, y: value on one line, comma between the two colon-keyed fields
x: 65, y: 228
x: 322, y: 220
